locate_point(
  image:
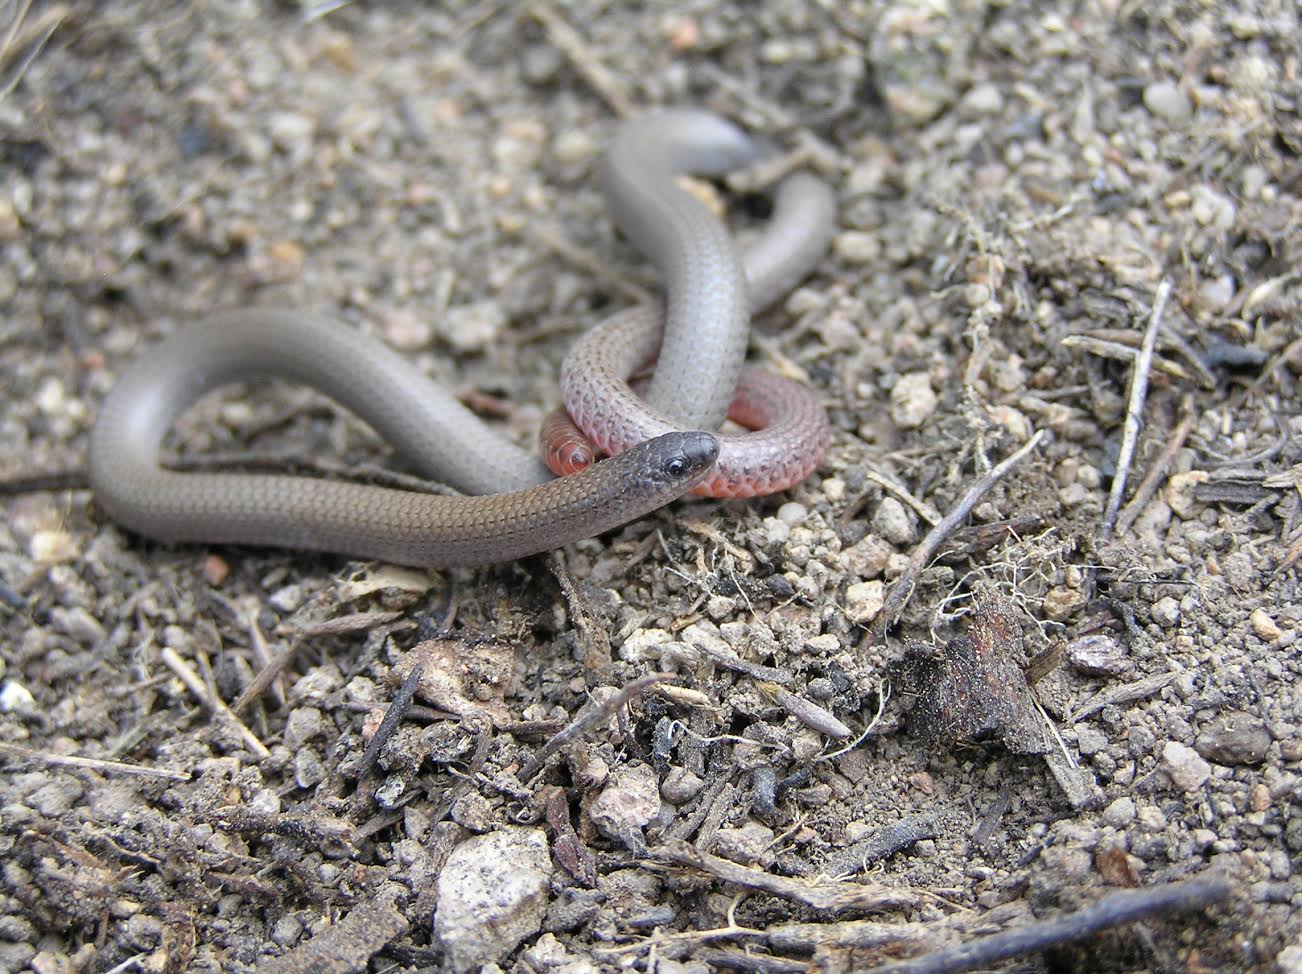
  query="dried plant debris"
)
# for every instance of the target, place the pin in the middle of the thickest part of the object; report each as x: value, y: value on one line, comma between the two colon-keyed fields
x: 973, y: 687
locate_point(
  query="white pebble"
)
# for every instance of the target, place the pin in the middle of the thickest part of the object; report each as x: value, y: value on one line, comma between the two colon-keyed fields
x: 1167, y: 101
x: 912, y: 400
x: 492, y: 894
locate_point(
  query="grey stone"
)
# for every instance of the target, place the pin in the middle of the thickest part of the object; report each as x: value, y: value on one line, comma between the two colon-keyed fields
x: 492, y: 894
x: 1234, y: 738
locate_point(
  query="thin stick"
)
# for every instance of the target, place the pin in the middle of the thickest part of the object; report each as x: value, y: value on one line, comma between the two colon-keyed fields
x: 596, y: 643
x: 590, y: 715
x: 55, y: 480
x: 92, y: 764
x: 265, y: 677
x: 923, y: 509
x: 45, y: 25
x: 929, y: 545
x: 1134, y: 412
x: 1111, y: 911
x: 567, y: 40
x: 392, y: 718
x: 1148, y: 486
x: 215, y: 704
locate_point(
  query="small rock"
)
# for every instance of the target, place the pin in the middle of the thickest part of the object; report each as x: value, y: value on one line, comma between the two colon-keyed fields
x: 292, y: 132
x: 720, y: 608
x: 984, y: 99
x: 492, y: 894
x: 1289, y: 960
x: 680, y: 786
x: 793, y: 513
x: 747, y: 845
x: 1166, y: 612
x: 1096, y: 656
x: 16, y: 699
x: 863, y: 600
x: 573, y: 146
x: 406, y: 330
x: 473, y: 327
x: 1259, y: 799
x: 868, y: 558
x: 776, y: 532
x: 303, y: 724
x: 1217, y: 291
x: 215, y: 570
x: 628, y: 804
x: 1182, y: 765
x: 912, y: 400
x: 1264, y: 626
x: 286, y: 599
x: 77, y: 623
x: 857, y: 246
x: 1060, y: 602
x: 308, y: 769
x: 540, y: 63
x: 1120, y: 813
x: 1090, y: 741
x: 1165, y: 100
x: 892, y: 521
x: 286, y: 930
x: 644, y: 644
x: 1234, y: 738
x: 49, y: 547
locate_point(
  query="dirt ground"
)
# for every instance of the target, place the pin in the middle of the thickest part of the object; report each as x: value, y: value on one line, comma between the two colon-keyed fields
x: 1058, y: 715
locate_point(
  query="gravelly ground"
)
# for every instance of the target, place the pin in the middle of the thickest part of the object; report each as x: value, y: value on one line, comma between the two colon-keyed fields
x: 1015, y: 180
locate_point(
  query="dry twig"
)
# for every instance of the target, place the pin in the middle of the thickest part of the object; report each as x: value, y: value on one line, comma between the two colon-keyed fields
x: 929, y: 545
x: 1148, y: 486
x: 214, y: 704
x: 592, y: 714
x: 92, y: 764
x: 1112, y: 911
x: 1134, y: 410
x: 568, y: 41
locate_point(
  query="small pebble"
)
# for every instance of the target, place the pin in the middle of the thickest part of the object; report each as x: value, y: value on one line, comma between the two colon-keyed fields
x: 680, y: 786
x: 492, y: 894
x: 1165, y: 100
x: 644, y: 644
x: 216, y: 570
x: 1234, y: 738
x: 1166, y: 612
x: 574, y: 146
x: 77, y: 623
x: 628, y: 804
x: 1264, y: 626
x: 16, y: 699
x: 286, y: 930
x: 303, y: 724
x: 913, y: 400
x: 286, y: 599
x: 863, y: 600
x: 1120, y: 813
x: 984, y: 99
x: 793, y: 513
x: 747, y: 845
x: 1090, y: 741
x: 893, y: 522
x: 776, y: 531
x: 1182, y: 765
x: 1060, y: 602
x: 1096, y: 656
x: 473, y: 327
x: 857, y: 247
